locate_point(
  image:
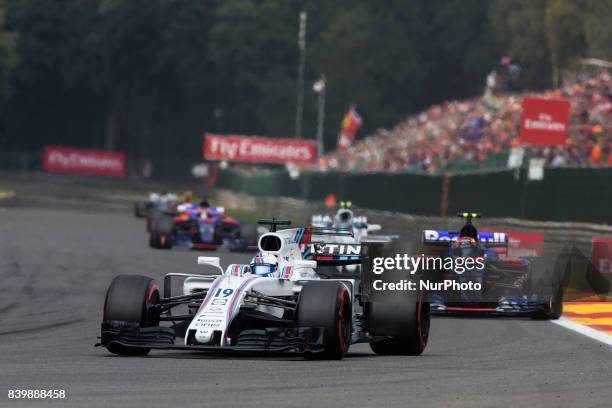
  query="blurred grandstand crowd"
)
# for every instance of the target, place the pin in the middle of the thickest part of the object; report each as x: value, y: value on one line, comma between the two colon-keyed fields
x: 479, y: 128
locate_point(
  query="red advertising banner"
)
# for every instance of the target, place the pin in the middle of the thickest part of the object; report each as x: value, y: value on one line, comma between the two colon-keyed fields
x: 259, y: 149
x: 83, y: 161
x: 601, y: 255
x: 523, y: 244
x: 545, y: 121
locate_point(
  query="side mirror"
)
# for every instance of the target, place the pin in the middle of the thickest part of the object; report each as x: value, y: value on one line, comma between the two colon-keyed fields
x: 210, y: 261
x: 374, y: 227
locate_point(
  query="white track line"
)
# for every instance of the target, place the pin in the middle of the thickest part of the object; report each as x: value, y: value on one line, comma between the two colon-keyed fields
x: 584, y: 330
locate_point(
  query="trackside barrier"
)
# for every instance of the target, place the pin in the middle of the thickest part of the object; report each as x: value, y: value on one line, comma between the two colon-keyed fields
x: 565, y: 194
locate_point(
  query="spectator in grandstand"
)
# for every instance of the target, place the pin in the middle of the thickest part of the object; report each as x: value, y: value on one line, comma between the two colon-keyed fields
x: 477, y: 129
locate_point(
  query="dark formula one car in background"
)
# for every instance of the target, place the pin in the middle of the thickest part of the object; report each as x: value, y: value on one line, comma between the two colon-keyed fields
x: 345, y: 218
x: 199, y: 227
x: 156, y: 202
x: 275, y: 303
x: 360, y: 231
x: 507, y: 285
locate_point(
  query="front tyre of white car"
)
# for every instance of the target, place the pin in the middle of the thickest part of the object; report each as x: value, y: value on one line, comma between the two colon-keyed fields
x: 130, y: 300
x: 327, y: 304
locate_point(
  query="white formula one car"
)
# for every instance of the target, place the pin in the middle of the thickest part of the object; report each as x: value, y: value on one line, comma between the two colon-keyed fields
x: 276, y: 303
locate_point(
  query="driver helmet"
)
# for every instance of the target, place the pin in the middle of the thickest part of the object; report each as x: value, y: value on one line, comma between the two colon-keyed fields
x: 466, y: 247
x: 264, y: 264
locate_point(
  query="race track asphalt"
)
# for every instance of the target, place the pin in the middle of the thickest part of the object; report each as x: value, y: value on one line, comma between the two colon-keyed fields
x: 55, y: 265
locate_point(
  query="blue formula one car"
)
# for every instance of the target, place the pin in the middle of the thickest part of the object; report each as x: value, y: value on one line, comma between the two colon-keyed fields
x: 200, y: 227
x: 495, y: 283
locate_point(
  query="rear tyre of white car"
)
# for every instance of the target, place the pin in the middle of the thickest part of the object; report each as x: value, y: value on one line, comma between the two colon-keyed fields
x: 405, y: 324
x: 130, y: 299
x: 327, y: 304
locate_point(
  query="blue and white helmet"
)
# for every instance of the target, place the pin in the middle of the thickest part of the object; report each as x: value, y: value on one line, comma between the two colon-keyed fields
x: 264, y: 264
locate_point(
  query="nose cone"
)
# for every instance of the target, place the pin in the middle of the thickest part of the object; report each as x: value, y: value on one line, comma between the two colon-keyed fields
x: 203, y: 336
